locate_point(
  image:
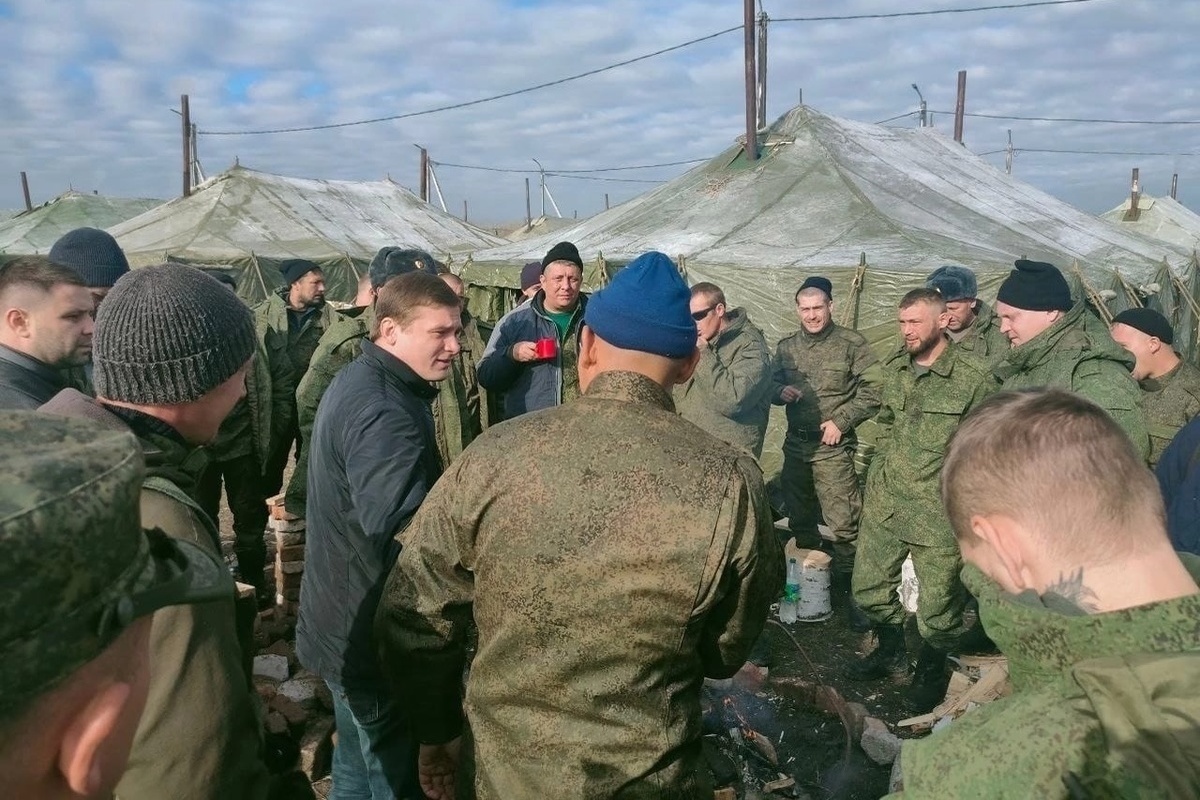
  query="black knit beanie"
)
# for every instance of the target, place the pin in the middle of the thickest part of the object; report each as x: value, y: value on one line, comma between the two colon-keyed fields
x: 93, y: 254
x: 1035, y: 286
x: 563, y: 251
x: 169, y: 334
x: 1148, y: 321
x: 296, y: 268
x: 816, y: 282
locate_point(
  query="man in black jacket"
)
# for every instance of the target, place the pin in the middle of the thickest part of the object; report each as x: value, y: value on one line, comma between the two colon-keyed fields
x: 45, y: 327
x: 374, y: 457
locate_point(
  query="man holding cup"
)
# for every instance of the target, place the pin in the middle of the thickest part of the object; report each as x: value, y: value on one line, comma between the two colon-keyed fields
x: 533, y: 351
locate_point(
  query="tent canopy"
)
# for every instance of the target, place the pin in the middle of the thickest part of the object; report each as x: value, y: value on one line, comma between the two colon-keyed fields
x: 247, y: 222
x: 1161, y: 218
x: 35, y: 232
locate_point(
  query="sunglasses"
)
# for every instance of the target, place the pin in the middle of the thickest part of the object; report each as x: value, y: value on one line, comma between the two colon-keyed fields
x: 699, y: 315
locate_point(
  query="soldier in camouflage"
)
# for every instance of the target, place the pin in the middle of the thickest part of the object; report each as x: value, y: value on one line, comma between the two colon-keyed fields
x: 1170, y: 386
x: 729, y: 394
x: 1062, y: 528
x: 1053, y: 345
x: 460, y: 409
x: 830, y: 382
x: 80, y: 581
x: 929, y: 385
x: 971, y: 324
x: 611, y: 553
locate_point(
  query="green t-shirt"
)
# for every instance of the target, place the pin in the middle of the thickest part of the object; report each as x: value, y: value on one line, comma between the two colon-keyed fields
x: 562, y: 321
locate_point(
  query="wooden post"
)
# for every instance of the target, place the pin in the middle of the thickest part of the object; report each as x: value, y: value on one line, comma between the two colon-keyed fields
x: 25, y: 191
x: 424, y: 180
x: 1134, y: 192
x: 960, y: 107
x: 465, y: 211
x: 751, y: 82
x: 606, y: 198
x: 1174, y: 187
x: 762, y: 70
x: 186, y: 116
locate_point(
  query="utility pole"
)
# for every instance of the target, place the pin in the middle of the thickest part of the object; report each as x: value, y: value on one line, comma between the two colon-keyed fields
x: 424, y: 179
x: 1135, y: 192
x: 960, y: 106
x: 1174, y: 187
x: 528, y: 210
x: 605, y: 198
x: 186, y: 115
x: 751, y: 82
x: 762, y: 70
x: 924, y: 115
x: 542, y: 184
x: 465, y: 211
x: 29, y: 203
x: 1008, y: 154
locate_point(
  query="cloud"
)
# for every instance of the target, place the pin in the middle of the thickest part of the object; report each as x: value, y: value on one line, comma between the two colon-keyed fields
x: 88, y: 94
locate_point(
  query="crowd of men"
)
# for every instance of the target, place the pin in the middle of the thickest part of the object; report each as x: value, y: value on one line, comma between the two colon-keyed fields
x: 572, y: 515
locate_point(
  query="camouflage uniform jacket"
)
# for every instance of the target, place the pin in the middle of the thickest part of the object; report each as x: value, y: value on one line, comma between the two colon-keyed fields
x: 729, y: 395
x: 1170, y: 401
x: 1113, y: 699
x: 200, y: 735
x: 458, y: 409
x: 1068, y: 356
x: 838, y: 376
x: 273, y: 314
x: 919, y: 413
x: 613, y: 554
x: 261, y: 421
x: 983, y: 338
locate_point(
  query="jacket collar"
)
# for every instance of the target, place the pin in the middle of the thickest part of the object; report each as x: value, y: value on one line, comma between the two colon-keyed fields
x: 736, y: 323
x: 399, y: 371
x: 538, y: 303
x: 944, y: 366
x: 28, y: 362
x: 813, y: 338
x: 630, y: 387
x: 1041, y: 642
x: 1160, y: 383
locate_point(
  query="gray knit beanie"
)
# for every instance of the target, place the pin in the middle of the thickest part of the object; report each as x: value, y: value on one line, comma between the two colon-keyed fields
x: 169, y: 334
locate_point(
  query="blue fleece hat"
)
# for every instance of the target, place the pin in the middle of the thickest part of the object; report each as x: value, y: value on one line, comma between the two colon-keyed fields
x: 645, y: 308
x: 953, y: 283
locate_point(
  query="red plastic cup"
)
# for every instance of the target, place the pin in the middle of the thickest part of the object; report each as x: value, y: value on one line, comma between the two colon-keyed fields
x: 546, y: 348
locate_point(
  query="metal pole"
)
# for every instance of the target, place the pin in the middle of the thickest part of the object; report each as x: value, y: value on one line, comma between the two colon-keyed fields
x: 1134, y: 193
x: 528, y: 210
x: 423, y: 182
x: 186, y: 116
x: 465, y: 211
x: 762, y: 70
x: 923, y: 117
x: 1174, y: 187
x: 1008, y: 154
x: 605, y: 198
x: 553, y: 204
x: 541, y: 184
x: 751, y: 81
x: 438, y: 189
x: 25, y: 191
x: 960, y: 107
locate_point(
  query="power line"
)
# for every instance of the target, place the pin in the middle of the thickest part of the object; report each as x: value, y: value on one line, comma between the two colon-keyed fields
x: 596, y: 178
x: 488, y: 99
x: 932, y: 12
x: 1086, y: 152
x: 527, y: 171
x: 1083, y: 119
x: 898, y: 116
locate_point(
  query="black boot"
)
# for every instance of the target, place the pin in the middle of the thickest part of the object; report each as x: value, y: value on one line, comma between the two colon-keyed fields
x: 928, y: 687
x: 840, y: 592
x: 889, y: 657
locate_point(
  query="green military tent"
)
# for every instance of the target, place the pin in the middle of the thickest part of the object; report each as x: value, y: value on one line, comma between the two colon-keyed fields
x: 35, y: 231
x: 1162, y: 218
x: 247, y: 222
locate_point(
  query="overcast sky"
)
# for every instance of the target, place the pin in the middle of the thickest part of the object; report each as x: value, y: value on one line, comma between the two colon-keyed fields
x: 87, y: 88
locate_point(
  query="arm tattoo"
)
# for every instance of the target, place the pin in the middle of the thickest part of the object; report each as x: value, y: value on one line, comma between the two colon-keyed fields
x: 1072, y: 589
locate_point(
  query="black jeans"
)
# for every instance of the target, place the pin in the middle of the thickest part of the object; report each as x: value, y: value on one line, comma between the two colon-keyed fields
x: 246, y: 491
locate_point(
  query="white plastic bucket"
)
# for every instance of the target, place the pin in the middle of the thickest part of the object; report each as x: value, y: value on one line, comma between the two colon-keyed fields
x: 814, y: 603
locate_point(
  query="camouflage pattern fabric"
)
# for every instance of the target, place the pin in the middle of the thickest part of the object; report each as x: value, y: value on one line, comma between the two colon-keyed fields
x: 729, y: 395
x: 458, y: 410
x: 1109, y: 701
x: 840, y: 379
x: 272, y: 314
x: 983, y: 338
x: 1069, y: 355
x: 1169, y: 402
x: 612, y: 554
x: 902, y: 509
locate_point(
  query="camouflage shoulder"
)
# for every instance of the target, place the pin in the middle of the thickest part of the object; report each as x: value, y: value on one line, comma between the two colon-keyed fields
x: 972, y: 361
x: 850, y: 335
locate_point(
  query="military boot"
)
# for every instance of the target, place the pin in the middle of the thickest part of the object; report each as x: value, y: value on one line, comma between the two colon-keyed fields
x: 889, y: 657
x: 928, y: 687
x: 840, y: 592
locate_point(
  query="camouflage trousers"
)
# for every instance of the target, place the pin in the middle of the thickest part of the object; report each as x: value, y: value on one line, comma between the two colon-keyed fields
x: 941, y: 597
x: 818, y: 482
x: 246, y: 492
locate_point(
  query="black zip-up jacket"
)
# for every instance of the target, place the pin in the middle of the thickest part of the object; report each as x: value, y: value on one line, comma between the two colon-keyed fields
x: 25, y: 382
x: 373, y: 458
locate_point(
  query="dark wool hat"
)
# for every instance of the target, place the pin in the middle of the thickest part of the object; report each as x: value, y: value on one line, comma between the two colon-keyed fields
x: 93, y: 254
x: 296, y: 268
x: 953, y: 283
x: 1149, y: 322
x: 645, y: 308
x: 817, y: 282
x: 563, y: 251
x: 169, y: 334
x: 531, y: 274
x: 1035, y: 286
x: 225, y: 278
x: 400, y: 261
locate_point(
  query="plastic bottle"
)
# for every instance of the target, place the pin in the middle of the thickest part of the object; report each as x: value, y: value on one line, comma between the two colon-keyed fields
x: 791, y: 594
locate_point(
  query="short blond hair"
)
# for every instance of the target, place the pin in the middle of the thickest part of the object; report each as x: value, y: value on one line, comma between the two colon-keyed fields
x: 1061, y: 466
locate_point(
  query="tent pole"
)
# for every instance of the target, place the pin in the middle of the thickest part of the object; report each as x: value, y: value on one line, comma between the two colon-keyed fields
x: 762, y: 70
x: 186, y: 115
x: 751, y: 82
x: 29, y: 203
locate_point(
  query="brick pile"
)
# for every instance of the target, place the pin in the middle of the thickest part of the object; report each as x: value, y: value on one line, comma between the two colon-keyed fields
x: 288, y: 533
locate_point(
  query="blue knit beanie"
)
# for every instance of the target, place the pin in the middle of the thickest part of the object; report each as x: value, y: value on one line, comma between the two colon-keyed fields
x: 93, y: 254
x: 645, y: 308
